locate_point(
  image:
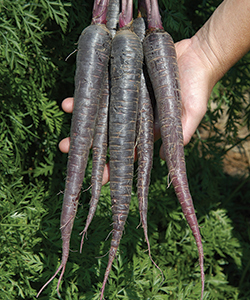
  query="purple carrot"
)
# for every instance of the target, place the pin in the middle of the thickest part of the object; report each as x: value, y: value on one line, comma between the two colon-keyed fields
x: 113, y: 16
x: 161, y: 61
x: 126, y: 64
x: 99, y: 149
x: 100, y: 143
x: 93, y: 54
x: 144, y: 140
x: 139, y: 27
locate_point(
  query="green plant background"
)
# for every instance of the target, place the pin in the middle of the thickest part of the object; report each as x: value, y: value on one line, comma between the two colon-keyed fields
x: 35, y: 38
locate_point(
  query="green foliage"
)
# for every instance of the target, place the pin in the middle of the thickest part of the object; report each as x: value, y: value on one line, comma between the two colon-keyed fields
x: 175, y: 19
x: 35, y: 39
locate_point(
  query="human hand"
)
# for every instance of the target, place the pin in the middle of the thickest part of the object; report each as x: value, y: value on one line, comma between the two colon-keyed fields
x: 196, y: 87
x: 67, y: 106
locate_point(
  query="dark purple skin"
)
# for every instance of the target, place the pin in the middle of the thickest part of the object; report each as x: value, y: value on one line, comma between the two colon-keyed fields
x: 113, y: 16
x: 145, y: 150
x: 90, y: 71
x: 162, y: 66
x: 126, y: 64
x: 161, y: 61
x: 100, y: 143
x: 99, y: 149
x: 144, y: 140
x: 139, y: 27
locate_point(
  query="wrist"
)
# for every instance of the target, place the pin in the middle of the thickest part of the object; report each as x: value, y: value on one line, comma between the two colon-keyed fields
x: 224, y: 38
x: 207, y: 62
x: 210, y: 59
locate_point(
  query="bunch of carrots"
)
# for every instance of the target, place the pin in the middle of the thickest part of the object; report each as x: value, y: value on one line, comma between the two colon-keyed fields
x: 113, y: 109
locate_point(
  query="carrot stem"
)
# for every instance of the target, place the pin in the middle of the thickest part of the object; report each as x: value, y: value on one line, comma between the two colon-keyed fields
x: 100, y: 11
x: 126, y: 15
x: 153, y: 14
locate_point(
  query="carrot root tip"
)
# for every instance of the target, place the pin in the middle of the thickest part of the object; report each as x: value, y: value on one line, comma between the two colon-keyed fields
x: 71, y: 54
x: 57, y: 271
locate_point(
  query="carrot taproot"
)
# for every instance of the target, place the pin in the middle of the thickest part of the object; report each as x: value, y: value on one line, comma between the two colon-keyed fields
x: 161, y: 61
x: 99, y: 150
x: 113, y: 16
x: 93, y: 54
x: 126, y: 64
x: 144, y: 140
x: 139, y: 26
x: 100, y: 143
x: 145, y: 149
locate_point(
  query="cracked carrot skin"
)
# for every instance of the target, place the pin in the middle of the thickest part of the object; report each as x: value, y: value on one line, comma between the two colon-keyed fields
x: 93, y: 54
x: 162, y: 66
x: 126, y: 64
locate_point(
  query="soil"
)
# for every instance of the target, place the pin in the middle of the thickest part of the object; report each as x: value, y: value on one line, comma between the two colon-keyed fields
x: 237, y: 159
